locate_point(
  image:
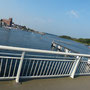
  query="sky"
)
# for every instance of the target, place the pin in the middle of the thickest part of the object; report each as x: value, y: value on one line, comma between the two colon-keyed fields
x: 60, y: 17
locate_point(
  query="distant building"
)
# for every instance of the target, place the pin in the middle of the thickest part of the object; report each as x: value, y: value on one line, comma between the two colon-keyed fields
x: 6, y: 22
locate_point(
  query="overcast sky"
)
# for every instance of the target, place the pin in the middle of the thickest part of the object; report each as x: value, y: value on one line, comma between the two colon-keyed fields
x: 60, y: 17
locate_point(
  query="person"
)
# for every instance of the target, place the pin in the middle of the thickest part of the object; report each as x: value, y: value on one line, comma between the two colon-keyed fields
x: 53, y: 44
x: 59, y: 48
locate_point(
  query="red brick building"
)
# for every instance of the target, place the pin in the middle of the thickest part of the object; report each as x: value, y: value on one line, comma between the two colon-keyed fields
x: 7, y: 22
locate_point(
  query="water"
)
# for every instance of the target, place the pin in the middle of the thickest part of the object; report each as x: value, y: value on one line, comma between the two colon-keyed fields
x: 25, y: 39
x: 19, y: 38
x: 75, y: 46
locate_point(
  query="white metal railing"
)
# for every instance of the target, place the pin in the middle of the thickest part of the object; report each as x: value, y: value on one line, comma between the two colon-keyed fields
x: 16, y: 63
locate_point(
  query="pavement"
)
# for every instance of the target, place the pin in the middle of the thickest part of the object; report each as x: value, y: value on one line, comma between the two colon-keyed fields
x: 65, y: 83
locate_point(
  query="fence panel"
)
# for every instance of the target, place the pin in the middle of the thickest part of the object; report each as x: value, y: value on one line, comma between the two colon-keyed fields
x: 83, y: 68
x: 46, y: 67
x: 39, y: 64
x: 8, y: 67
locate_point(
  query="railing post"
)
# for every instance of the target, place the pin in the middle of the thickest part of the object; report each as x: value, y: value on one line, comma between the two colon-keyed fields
x: 88, y: 60
x: 74, y: 67
x: 20, y: 67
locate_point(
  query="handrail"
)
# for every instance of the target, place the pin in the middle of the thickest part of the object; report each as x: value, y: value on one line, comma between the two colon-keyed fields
x: 28, y: 67
x: 41, y: 51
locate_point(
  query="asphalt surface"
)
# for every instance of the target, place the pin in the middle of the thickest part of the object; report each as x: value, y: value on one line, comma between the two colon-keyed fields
x: 66, y: 83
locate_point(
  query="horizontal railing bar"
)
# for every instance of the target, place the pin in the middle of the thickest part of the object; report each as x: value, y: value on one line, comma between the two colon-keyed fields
x: 10, y: 57
x: 10, y: 53
x: 43, y: 76
x: 2, y: 78
x: 84, y: 61
x: 47, y: 59
x: 39, y: 56
x: 41, y: 51
x: 49, y: 56
x: 82, y: 74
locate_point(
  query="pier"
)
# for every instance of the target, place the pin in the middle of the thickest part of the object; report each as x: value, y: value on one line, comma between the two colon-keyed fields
x: 62, y: 48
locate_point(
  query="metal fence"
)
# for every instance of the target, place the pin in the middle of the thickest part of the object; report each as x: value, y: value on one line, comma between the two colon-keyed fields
x: 18, y: 63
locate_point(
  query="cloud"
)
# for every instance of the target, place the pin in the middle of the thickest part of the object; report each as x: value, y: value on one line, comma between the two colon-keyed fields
x: 73, y: 13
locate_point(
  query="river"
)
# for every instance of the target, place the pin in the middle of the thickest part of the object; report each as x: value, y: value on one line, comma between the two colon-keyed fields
x: 19, y: 38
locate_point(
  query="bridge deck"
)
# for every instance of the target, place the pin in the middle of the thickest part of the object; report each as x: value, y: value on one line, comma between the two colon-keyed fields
x: 66, y: 83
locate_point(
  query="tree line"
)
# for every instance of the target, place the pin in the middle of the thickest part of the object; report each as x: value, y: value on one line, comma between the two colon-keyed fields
x: 85, y: 41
